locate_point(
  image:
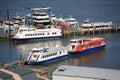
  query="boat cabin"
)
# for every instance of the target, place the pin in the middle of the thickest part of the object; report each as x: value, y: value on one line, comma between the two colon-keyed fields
x: 79, y: 41
x: 25, y: 29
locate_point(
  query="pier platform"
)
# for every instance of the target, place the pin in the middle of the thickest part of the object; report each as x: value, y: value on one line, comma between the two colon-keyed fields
x: 78, y: 31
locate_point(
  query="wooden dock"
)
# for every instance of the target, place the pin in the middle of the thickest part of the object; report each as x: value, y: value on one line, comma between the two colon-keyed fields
x: 74, y: 32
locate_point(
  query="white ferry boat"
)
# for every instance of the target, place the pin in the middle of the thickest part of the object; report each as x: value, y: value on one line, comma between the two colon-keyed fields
x: 46, y: 55
x: 72, y: 22
x: 87, y: 25
x: 25, y: 33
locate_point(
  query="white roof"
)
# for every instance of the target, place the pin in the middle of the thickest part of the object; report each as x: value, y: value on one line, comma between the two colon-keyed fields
x: 96, y: 24
x: 45, y: 8
x: 88, y: 72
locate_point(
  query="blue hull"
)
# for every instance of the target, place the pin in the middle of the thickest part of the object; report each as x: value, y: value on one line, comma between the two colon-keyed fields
x: 38, y: 38
x: 48, y: 61
x: 87, y: 50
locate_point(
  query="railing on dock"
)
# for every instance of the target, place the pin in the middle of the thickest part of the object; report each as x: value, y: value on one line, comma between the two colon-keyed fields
x: 78, y: 31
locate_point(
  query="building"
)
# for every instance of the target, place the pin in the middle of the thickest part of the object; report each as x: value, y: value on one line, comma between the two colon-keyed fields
x: 85, y: 73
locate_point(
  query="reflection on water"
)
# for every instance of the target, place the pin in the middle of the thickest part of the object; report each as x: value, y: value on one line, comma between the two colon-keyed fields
x: 88, y: 58
x: 105, y: 58
x: 24, y: 49
x: 85, y: 59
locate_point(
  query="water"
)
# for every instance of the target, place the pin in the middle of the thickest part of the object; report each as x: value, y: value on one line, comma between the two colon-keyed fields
x: 95, y: 10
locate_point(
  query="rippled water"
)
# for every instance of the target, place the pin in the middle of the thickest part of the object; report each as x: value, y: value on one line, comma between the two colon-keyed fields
x: 95, y: 10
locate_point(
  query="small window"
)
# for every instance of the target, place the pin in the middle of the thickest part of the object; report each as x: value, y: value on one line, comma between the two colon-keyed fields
x: 60, y: 52
x: 62, y: 69
x: 34, y: 56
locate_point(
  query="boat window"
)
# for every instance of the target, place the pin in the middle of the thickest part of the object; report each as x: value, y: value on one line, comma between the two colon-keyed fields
x: 34, y: 56
x: 54, y: 33
x: 60, y: 52
x: 85, y: 40
x: 80, y: 42
x: 34, y: 51
x: 9, y: 24
x: 26, y: 35
x: 73, y: 41
x: 43, y: 33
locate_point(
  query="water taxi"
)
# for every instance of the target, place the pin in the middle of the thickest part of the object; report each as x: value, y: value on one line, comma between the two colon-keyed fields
x: 85, y: 44
x: 46, y: 55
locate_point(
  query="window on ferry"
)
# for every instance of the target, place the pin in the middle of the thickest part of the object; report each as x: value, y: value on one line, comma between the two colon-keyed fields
x: 53, y: 33
x: 48, y: 33
x: 73, y: 41
x: 33, y: 51
x: 34, y: 56
x: 30, y: 34
x: 80, y: 42
x: 91, y: 27
x: 85, y: 40
x: 60, y: 52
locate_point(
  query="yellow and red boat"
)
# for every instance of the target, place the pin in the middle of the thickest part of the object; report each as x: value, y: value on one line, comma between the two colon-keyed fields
x: 85, y: 44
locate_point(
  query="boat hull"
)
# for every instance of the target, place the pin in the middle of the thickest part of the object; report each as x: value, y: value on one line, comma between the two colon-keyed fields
x: 87, y: 50
x: 47, y: 61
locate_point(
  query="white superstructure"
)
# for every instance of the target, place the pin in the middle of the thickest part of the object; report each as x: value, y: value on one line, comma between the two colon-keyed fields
x: 41, y: 18
x: 72, y: 22
x: 46, y: 54
x: 25, y: 33
x: 87, y: 25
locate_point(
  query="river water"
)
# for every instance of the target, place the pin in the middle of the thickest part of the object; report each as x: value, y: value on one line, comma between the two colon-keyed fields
x: 95, y: 10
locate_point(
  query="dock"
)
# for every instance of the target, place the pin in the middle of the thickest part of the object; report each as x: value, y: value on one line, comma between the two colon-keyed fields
x: 78, y: 32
